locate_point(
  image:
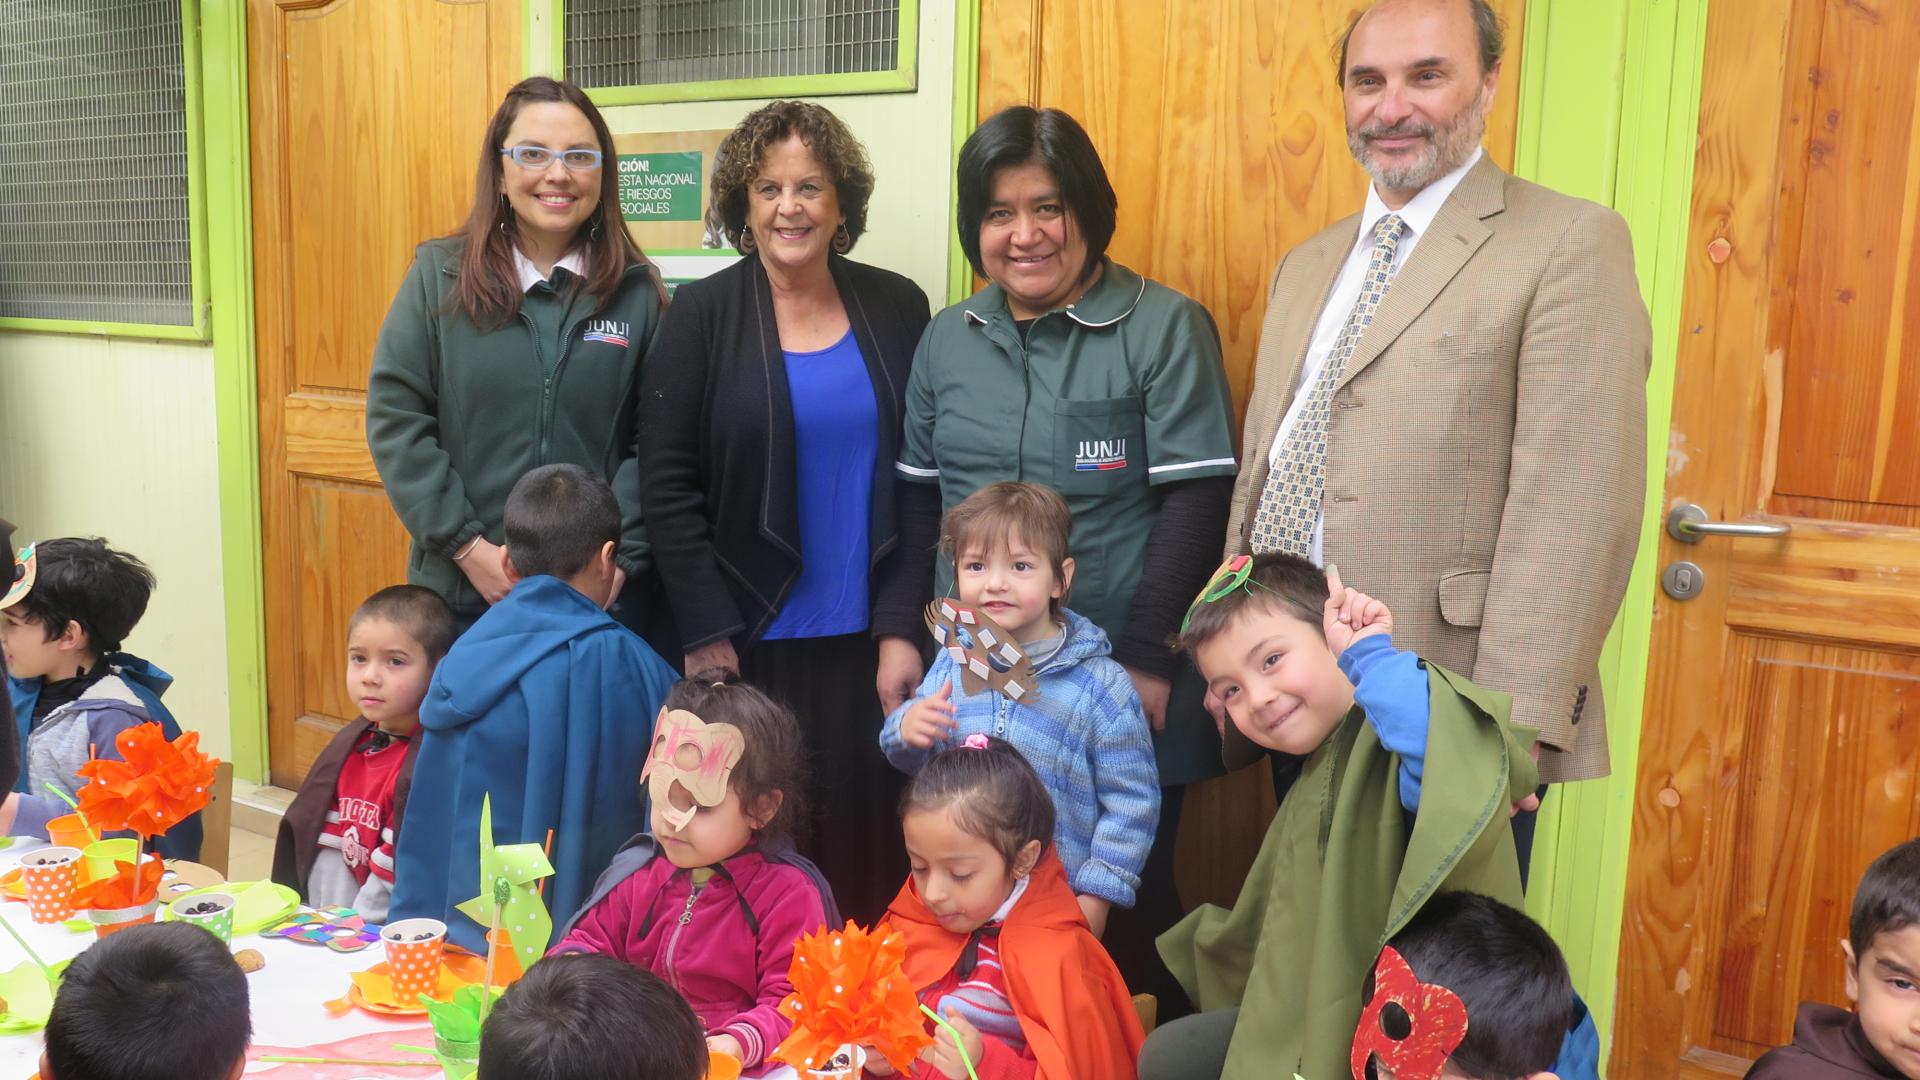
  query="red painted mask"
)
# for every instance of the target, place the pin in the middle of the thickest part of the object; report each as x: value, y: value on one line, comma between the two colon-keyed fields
x: 1408, y: 1026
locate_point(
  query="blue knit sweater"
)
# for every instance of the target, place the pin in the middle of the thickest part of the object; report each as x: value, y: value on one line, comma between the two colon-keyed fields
x: 1084, y: 733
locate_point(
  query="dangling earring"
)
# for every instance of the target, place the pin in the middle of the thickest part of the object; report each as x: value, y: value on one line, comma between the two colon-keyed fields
x: 593, y: 233
x: 842, y: 239
x: 506, y: 214
x: 746, y: 243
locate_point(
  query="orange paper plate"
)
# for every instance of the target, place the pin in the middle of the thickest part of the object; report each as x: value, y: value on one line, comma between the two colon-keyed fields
x: 373, y: 988
x: 12, y: 886
x: 722, y: 1066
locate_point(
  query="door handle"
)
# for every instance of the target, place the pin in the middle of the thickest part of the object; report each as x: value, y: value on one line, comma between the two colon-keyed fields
x: 1688, y: 523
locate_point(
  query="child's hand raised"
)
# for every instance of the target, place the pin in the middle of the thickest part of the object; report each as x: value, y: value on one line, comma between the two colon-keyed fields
x: 944, y: 1058
x: 930, y: 719
x: 1351, y: 614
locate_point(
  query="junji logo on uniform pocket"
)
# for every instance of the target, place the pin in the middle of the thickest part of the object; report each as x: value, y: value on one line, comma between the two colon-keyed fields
x: 1100, y: 455
x: 610, y: 331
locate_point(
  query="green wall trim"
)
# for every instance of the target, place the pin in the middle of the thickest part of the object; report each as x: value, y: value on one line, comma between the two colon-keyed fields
x: 966, y: 117
x: 1610, y: 102
x: 223, y: 106
x: 903, y: 77
x: 152, y: 331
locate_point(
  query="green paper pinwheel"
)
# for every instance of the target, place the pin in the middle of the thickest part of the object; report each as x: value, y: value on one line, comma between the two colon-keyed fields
x: 507, y: 899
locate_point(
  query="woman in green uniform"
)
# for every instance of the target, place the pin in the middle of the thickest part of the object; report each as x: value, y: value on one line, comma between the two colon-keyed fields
x: 1073, y: 371
x: 513, y: 343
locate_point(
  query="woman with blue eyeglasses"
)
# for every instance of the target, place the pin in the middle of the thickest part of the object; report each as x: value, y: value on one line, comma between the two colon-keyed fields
x: 516, y: 342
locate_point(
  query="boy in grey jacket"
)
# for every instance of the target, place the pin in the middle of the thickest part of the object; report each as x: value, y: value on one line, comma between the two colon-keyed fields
x: 81, y: 599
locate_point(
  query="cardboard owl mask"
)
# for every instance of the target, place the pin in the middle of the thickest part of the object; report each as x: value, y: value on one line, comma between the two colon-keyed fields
x: 986, y: 655
x: 690, y: 764
x: 25, y: 568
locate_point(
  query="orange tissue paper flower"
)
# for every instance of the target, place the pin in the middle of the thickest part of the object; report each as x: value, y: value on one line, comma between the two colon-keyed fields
x: 848, y: 987
x: 125, y: 888
x: 156, y: 785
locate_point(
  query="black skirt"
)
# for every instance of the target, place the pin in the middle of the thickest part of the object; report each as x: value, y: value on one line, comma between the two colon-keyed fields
x: 853, y: 824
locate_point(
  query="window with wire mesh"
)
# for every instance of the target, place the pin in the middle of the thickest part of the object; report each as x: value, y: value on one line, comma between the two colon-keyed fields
x: 94, y: 215
x: 652, y: 42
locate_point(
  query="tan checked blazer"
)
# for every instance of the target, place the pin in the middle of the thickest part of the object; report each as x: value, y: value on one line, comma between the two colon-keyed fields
x: 1486, y: 458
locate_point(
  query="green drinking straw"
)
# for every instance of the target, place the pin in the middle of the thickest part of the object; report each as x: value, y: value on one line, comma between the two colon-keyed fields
x: 954, y: 1034
x: 350, y: 1061
x: 68, y: 799
x: 31, y: 955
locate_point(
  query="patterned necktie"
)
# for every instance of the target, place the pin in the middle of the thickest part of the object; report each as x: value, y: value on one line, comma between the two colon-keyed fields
x: 1296, y: 485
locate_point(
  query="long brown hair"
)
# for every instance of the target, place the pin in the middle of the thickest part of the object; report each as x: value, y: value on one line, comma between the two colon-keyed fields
x: 488, y: 289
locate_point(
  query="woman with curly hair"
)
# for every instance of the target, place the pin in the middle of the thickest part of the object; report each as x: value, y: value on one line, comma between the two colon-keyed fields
x: 770, y: 412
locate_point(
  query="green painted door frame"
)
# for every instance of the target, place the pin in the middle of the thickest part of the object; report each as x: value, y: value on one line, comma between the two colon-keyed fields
x: 1609, y: 106
x: 223, y: 105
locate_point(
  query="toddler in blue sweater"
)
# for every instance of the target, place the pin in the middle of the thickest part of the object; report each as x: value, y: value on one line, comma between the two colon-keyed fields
x: 1077, y: 720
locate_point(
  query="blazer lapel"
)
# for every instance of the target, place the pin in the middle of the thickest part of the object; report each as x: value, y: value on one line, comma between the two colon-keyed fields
x: 1456, y: 233
x: 1291, y: 339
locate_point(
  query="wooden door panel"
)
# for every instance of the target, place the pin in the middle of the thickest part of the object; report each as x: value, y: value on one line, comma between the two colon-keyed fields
x: 1827, y: 740
x: 350, y: 545
x: 366, y: 118
x: 1763, y: 794
x: 1855, y: 300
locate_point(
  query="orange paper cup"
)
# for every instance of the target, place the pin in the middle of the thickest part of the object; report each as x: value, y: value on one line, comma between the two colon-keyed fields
x: 68, y: 830
x: 414, y: 950
x: 118, y: 919
x: 50, y: 876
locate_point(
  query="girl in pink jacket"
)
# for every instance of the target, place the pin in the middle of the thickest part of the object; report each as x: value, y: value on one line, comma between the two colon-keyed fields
x: 714, y: 898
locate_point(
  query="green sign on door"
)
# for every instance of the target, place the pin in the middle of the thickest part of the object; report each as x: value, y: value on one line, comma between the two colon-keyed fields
x: 660, y: 187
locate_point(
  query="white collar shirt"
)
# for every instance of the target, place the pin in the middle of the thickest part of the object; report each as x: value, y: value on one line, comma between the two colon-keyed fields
x: 1417, y: 217
x: 530, y: 274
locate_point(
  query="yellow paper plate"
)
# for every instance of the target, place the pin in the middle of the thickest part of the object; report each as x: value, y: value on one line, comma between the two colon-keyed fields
x: 373, y: 988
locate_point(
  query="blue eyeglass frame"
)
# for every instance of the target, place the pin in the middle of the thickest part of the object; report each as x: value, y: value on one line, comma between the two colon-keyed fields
x: 515, y: 153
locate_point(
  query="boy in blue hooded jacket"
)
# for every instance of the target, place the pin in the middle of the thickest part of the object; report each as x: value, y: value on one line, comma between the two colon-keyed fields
x: 547, y: 705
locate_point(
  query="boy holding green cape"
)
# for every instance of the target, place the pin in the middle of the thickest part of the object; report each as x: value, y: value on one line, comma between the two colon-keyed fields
x: 1411, y: 775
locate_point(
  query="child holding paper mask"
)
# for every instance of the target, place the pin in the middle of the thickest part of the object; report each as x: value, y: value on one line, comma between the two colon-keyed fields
x: 713, y: 900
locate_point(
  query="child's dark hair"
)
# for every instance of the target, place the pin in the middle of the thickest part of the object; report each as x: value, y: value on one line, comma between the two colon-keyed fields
x: 992, y: 793
x: 1505, y: 969
x: 419, y: 611
x: 583, y: 1014
x: 82, y: 580
x: 158, y: 1002
x: 774, y: 760
x: 989, y: 518
x: 1278, y: 584
x: 1888, y: 898
x: 558, y: 517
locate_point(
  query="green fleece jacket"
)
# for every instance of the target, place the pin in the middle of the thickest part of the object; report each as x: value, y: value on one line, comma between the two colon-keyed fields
x: 456, y: 414
x: 1338, y: 874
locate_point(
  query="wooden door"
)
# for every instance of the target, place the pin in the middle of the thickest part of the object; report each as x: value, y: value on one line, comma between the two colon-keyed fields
x: 366, y: 121
x: 1782, y: 736
x: 1221, y: 127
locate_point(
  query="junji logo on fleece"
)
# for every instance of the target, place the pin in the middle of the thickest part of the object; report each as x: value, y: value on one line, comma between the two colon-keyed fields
x: 611, y: 331
x: 1100, y: 455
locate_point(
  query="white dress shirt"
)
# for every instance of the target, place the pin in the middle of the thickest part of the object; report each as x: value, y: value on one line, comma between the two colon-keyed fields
x: 1417, y: 217
x: 530, y: 274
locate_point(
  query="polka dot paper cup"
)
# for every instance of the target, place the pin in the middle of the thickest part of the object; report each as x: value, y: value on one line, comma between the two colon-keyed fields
x: 50, y: 876
x: 414, y: 950
x: 212, y: 912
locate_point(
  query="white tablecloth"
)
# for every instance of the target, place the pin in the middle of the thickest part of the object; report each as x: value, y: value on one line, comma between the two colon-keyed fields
x: 287, y: 995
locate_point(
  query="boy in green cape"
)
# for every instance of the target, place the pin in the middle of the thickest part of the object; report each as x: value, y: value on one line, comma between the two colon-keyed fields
x: 1411, y: 775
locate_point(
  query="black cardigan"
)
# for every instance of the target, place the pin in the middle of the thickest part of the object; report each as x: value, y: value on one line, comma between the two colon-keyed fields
x: 716, y: 442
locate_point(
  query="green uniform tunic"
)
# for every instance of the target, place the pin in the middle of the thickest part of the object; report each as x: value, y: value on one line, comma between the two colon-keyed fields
x: 456, y: 414
x: 1104, y: 401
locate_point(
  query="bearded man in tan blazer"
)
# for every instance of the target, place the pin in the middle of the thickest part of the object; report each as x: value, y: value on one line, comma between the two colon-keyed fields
x: 1450, y: 395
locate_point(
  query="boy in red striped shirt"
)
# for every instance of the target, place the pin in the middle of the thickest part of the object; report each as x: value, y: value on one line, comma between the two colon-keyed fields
x: 337, y: 839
